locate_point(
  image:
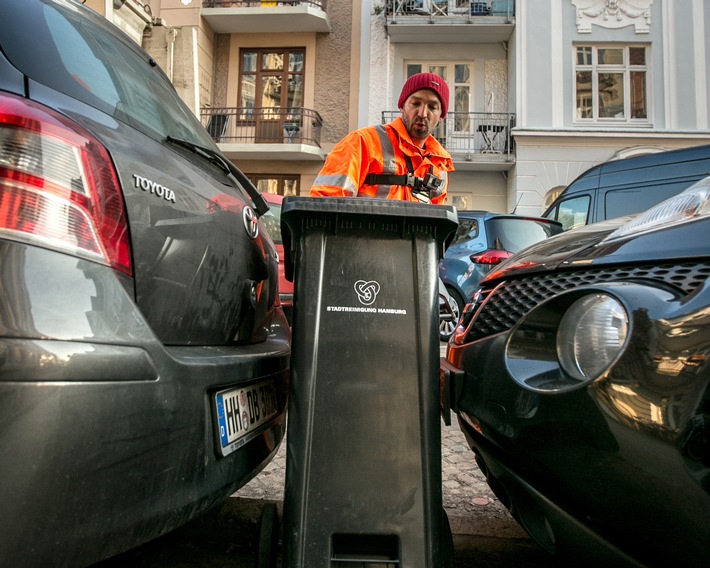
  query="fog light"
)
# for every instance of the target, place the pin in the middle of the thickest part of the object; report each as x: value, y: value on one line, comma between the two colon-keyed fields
x: 591, y: 335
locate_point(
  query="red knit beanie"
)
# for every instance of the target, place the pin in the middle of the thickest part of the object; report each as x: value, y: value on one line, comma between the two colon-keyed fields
x: 426, y: 81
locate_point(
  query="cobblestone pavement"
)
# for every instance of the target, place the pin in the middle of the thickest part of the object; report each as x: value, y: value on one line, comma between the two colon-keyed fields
x: 484, y: 533
x: 470, y: 504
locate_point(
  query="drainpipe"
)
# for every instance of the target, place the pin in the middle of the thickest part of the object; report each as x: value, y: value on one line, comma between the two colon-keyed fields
x: 170, y: 35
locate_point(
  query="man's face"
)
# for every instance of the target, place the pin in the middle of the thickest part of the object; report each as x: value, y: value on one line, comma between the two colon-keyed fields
x: 421, y: 113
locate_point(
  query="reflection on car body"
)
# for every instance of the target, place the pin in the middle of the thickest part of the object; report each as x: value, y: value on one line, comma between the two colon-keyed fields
x: 581, y: 381
x: 272, y: 219
x: 139, y: 289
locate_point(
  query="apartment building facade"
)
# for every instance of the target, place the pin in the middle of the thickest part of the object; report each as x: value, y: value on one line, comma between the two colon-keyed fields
x: 596, y: 80
x: 271, y: 81
x: 559, y: 85
x: 541, y: 90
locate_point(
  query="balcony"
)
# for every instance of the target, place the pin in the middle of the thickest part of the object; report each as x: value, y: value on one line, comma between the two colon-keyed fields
x: 265, y: 16
x: 450, y: 21
x: 286, y: 133
x: 479, y: 141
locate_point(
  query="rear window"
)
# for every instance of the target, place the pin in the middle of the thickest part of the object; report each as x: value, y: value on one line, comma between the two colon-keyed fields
x: 513, y: 235
x: 85, y: 58
x: 466, y: 231
x: 272, y: 220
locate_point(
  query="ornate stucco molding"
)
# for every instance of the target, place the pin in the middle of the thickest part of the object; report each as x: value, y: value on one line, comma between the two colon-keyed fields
x: 613, y: 14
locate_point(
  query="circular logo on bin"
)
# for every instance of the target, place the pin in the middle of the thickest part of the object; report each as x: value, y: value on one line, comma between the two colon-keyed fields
x: 367, y: 291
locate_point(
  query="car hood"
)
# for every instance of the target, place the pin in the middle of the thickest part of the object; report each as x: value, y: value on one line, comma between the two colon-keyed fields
x: 591, y: 245
x: 554, y: 251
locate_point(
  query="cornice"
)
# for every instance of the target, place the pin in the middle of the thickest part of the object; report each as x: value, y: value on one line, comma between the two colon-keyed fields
x: 613, y: 14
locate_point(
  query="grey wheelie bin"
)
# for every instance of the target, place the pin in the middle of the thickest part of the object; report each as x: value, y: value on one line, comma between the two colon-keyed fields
x: 363, y: 466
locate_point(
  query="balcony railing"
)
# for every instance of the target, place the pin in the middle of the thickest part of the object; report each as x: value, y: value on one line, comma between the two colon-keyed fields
x: 279, y: 125
x: 444, y: 9
x: 465, y: 134
x: 261, y: 3
x: 266, y: 16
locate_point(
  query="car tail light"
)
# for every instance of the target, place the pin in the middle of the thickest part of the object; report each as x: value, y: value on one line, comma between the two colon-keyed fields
x: 490, y: 257
x: 58, y: 186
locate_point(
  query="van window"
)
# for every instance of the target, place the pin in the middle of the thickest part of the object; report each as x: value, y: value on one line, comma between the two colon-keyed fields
x: 572, y: 212
x: 627, y: 202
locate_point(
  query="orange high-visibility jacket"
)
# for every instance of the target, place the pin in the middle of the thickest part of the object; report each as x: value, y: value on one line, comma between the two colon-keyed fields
x: 381, y: 150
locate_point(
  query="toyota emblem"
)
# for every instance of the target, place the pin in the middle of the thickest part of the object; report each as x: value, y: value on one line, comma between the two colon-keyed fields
x: 250, y: 222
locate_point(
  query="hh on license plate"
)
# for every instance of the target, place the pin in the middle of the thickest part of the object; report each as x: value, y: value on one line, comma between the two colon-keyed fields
x: 242, y: 411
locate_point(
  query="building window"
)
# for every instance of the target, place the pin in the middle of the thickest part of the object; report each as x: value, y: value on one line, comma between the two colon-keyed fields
x: 459, y: 76
x: 271, y: 78
x: 611, y: 84
x: 278, y: 184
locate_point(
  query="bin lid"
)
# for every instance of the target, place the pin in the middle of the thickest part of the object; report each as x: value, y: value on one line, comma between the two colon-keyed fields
x: 332, y: 214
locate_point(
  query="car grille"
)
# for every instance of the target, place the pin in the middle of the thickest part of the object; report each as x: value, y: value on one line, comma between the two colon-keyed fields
x: 501, y: 307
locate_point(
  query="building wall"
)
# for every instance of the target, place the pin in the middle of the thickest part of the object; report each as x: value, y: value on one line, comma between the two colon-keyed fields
x: 159, y: 41
x: 186, y: 56
x: 220, y: 83
x: 206, y: 44
x: 98, y: 6
x: 333, y: 72
x: 378, y: 89
x: 479, y: 190
x: 132, y: 16
x: 551, y: 150
x: 184, y: 47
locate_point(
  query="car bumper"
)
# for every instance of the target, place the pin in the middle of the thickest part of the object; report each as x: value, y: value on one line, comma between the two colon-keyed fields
x: 560, y: 533
x: 622, y: 464
x: 108, y: 437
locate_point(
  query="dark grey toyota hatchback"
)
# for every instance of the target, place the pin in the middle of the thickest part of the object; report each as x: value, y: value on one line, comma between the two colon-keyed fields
x: 144, y: 357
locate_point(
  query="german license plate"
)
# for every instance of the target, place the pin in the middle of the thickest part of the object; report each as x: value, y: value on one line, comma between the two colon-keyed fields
x: 243, y: 412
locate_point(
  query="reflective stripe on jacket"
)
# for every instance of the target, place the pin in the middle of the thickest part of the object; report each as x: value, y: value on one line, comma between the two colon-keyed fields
x: 380, y: 150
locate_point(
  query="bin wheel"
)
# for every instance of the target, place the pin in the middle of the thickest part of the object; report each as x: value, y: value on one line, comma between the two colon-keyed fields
x: 448, y: 542
x: 267, y: 552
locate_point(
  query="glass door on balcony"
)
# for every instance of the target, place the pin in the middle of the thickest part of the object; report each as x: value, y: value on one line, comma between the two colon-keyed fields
x: 271, y: 83
x: 462, y: 128
x: 274, y: 183
x: 455, y: 132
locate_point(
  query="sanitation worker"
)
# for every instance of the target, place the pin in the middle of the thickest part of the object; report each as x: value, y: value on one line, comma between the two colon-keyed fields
x: 400, y: 160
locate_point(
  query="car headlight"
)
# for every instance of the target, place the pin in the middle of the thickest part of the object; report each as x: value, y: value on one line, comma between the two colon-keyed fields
x: 692, y: 203
x: 591, y: 334
x: 569, y: 341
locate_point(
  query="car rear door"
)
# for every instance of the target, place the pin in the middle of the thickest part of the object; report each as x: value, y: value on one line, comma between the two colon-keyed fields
x: 204, y: 270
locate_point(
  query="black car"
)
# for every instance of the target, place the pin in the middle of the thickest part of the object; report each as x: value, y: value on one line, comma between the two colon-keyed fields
x: 580, y: 377
x: 482, y: 241
x: 144, y: 358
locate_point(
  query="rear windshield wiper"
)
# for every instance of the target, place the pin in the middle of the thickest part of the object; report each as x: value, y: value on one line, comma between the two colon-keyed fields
x: 227, y: 167
x: 207, y: 153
